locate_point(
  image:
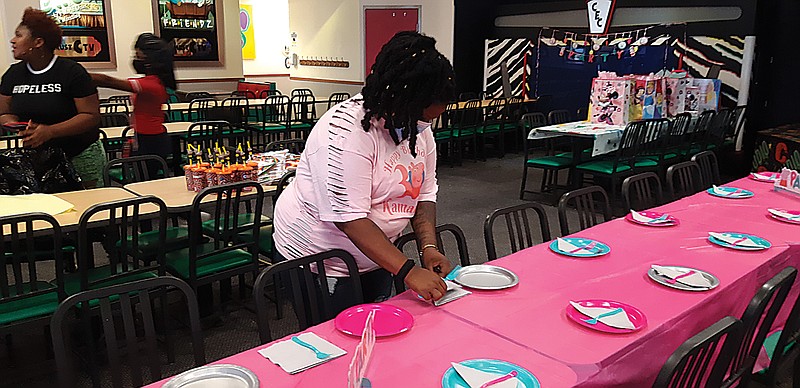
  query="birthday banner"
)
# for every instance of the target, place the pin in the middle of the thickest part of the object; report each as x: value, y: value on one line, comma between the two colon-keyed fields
x: 789, y: 181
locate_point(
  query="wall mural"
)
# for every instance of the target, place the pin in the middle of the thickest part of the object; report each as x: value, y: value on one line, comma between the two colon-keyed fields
x: 194, y: 26
x: 511, y: 51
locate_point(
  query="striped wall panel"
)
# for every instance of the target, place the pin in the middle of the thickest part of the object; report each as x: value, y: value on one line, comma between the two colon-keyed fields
x: 512, y: 52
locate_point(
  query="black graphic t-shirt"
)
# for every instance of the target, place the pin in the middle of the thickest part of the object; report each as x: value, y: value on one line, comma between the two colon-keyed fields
x: 46, y: 97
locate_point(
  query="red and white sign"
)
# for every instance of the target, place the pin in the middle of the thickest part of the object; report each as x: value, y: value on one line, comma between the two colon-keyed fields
x: 600, y: 12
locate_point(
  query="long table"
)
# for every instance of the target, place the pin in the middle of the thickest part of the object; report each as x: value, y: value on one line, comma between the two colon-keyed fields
x: 605, y: 138
x: 173, y: 192
x: 527, y: 324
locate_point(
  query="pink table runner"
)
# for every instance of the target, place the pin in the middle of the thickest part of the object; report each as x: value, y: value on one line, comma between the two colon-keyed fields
x: 527, y: 324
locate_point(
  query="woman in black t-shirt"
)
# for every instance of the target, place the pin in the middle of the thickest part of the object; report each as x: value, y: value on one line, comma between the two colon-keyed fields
x: 55, y: 96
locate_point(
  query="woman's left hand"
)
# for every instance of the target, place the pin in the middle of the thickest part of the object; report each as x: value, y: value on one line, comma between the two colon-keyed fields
x: 434, y: 259
x: 35, y: 135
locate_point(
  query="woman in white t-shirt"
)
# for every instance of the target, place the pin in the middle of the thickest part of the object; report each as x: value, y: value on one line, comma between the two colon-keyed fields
x: 369, y: 167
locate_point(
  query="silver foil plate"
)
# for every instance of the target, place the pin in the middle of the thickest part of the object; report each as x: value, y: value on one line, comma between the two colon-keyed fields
x: 216, y: 376
x: 680, y: 286
x: 486, y: 277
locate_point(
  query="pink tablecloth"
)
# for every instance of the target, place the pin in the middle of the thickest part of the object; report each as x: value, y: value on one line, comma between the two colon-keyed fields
x: 417, y: 358
x: 534, y: 313
x: 527, y: 324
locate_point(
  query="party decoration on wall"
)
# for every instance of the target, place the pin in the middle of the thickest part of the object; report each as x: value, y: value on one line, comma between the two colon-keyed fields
x: 600, y: 13
x: 194, y: 27
x: 246, y: 28
x: 699, y: 53
x: 514, y: 53
x: 86, y: 30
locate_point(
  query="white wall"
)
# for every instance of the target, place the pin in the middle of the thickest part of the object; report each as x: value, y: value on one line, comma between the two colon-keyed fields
x: 271, y: 32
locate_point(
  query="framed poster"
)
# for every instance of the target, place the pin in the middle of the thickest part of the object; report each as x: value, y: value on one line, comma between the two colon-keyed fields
x: 195, y: 27
x: 88, y: 37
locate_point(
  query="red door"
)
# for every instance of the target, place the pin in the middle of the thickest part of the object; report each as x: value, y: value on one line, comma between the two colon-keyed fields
x: 381, y: 24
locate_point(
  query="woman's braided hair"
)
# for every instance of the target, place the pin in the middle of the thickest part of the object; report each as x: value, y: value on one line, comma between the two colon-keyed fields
x: 408, y: 76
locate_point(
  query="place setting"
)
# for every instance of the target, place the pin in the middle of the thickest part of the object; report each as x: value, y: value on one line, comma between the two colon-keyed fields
x: 484, y: 373
x: 729, y: 192
x: 579, y: 247
x: 788, y: 216
x: 651, y: 218
x: 765, y: 176
x: 738, y: 241
x: 606, y: 316
x: 483, y: 277
x: 682, y: 278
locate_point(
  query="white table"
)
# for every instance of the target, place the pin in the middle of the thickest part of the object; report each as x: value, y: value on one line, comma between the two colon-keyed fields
x: 606, y: 138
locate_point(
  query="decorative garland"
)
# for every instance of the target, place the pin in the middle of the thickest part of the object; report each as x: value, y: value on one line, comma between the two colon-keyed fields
x: 596, y: 48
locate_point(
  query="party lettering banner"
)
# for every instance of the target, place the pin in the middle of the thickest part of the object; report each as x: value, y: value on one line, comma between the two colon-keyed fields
x: 789, y: 181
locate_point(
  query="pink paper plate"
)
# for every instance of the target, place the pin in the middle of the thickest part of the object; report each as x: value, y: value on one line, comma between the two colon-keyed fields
x: 673, y: 221
x: 389, y: 320
x: 792, y: 212
x: 637, y: 317
x: 773, y: 175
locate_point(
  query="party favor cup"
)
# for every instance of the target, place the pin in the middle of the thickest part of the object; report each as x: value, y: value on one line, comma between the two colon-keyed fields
x: 198, y: 179
x: 224, y: 177
x: 189, y: 175
x: 212, y: 177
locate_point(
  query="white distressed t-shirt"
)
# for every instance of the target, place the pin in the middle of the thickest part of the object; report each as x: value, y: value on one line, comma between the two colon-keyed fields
x: 346, y: 174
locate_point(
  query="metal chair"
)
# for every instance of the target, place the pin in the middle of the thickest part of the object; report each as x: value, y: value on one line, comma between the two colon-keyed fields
x: 558, y: 117
x: 114, y: 119
x: 135, y: 169
x: 757, y: 321
x: 519, y: 226
x: 135, y: 251
x: 200, y: 109
x: 642, y: 191
x: 114, y: 107
x: 585, y: 201
x: 302, y: 92
x: 207, y: 135
x: 550, y: 164
x: 336, y: 98
x: 702, y: 360
x: 456, y: 235
x: 130, y: 332
x: 683, y: 179
x: 269, y: 92
x: 709, y: 168
x: 698, y: 135
x: 27, y: 293
x: 493, y: 124
x: 784, y: 352
x: 235, y: 110
x: 120, y: 99
x: 195, y: 95
x: 718, y: 128
x: 233, y: 250
x: 303, y: 114
x: 311, y: 296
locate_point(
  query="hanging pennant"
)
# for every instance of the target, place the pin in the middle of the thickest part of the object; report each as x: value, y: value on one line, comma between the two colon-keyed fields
x: 600, y: 12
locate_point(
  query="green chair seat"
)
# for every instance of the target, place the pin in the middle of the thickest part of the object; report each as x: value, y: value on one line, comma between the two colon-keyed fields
x: 491, y: 128
x: 178, y: 261
x: 606, y: 166
x: 243, y: 220
x: 586, y: 152
x: 177, y: 238
x: 115, y: 173
x: 770, y: 343
x: 72, y: 281
x: 550, y: 162
x: 37, y: 306
x: 265, y: 242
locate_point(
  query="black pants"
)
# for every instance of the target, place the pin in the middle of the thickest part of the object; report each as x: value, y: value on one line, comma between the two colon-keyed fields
x: 159, y: 145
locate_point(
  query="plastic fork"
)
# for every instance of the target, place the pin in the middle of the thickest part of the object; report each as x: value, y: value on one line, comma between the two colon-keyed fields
x: 593, y: 321
x: 675, y: 279
x: 589, y: 247
x: 320, y: 355
x: 508, y: 376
